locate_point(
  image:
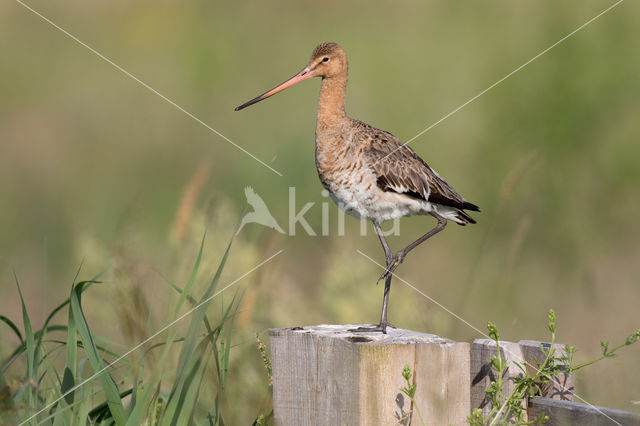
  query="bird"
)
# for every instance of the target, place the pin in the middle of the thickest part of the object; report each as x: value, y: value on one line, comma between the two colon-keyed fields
x: 260, y: 213
x: 368, y: 172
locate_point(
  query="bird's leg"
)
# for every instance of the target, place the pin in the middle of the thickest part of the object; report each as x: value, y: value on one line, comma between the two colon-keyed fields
x: 399, y: 257
x: 387, y: 286
x: 393, y: 261
x: 382, y: 327
x: 385, y: 305
x: 387, y: 251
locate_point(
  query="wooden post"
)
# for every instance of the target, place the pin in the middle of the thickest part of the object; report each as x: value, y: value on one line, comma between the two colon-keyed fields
x: 328, y: 375
x: 561, y: 385
x: 482, y: 374
x: 562, y: 413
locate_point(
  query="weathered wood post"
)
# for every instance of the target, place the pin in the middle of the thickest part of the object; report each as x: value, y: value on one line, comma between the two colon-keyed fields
x: 561, y: 386
x: 525, y: 351
x: 482, y: 375
x: 328, y: 375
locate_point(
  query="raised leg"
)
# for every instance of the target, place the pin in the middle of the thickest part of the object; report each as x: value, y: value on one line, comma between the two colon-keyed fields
x: 399, y: 257
x: 383, y: 241
x: 392, y: 265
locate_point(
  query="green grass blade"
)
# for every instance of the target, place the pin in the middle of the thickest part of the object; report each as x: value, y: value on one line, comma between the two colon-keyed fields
x: 13, y: 327
x: 198, y: 316
x: 103, y: 410
x: 108, y: 385
x: 227, y: 347
x: 23, y: 346
x: 188, y: 346
x: 78, y: 403
x: 69, y: 375
x: 170, y: 339
x: 193, y: 384
x: 68, y: 379
x: 188, y: 399
x: 221, y: 363
x: 55, y: 311
x: 143, y: 400
x: 29, y: 344
x: 192, y: 277
x: 193, y: 302
x: 185, y: 401
x: 134, y: 394
x: 47, y: 329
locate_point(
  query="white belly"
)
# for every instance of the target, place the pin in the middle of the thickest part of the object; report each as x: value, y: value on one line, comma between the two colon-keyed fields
x: 364, y: 201
x: 361, y: 198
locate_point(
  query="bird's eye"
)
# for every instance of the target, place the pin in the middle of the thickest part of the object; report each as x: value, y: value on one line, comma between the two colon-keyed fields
x: 325, y: 59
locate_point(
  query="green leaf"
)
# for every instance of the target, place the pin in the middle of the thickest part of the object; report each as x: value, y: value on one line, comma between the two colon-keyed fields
x: 188, y: 346
x: 29, y: 343
x: 68, y: 380
x: 193, y: 381
x: 108, y: 385
x: 67, y: 384
x: 103, y: 411
x: 192, y: 277
x: 12, y: 326
x: 228, y: 326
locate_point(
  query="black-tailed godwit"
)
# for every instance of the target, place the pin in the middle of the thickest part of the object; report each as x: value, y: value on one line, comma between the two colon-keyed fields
x: 368, y: 172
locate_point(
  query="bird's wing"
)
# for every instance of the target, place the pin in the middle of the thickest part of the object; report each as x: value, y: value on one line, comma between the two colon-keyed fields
x: 400, y: 169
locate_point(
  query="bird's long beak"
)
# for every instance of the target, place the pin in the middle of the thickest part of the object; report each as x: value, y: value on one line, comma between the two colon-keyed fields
x: 302, y: 75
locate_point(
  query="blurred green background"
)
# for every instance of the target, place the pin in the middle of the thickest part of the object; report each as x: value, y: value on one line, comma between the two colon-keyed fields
x: 97, y: 169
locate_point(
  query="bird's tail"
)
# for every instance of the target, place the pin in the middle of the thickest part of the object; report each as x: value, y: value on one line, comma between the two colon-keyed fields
x: 463, y: 217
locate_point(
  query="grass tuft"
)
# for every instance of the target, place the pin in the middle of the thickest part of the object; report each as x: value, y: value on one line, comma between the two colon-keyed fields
x: 156, y: 391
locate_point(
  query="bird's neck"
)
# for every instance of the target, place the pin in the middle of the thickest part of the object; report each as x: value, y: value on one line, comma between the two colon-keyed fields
x: 331, y: 104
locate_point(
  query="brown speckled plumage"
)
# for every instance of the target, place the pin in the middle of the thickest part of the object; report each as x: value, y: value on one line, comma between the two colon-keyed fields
x: 352, y: 151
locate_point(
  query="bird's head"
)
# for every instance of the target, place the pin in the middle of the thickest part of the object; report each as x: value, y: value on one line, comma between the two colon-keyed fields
x: 327, y: 60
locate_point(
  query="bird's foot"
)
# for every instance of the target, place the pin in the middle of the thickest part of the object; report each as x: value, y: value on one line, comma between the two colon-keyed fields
x: 380, y: 328
x: 392, y: 265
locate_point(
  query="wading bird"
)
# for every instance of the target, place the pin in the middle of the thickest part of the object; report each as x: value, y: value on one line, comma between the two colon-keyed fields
x: 368, y: 172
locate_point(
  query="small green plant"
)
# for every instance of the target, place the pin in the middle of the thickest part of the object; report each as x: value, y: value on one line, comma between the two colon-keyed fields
x: 410, y: 391
x: 509, y: 408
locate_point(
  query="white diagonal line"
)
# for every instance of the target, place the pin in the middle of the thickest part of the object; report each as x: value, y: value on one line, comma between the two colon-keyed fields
x: 503, y: 78
x: 145, y: 85
x: 476, y: 329
x: 139, y: 345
